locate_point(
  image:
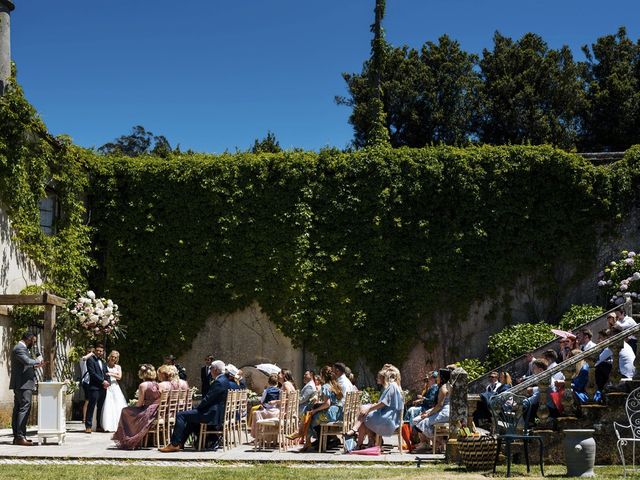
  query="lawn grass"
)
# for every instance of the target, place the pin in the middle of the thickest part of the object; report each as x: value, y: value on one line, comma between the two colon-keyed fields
x: 272, y: 472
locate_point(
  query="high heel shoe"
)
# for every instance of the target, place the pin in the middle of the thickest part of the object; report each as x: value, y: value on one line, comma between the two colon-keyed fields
x: 294, y: 436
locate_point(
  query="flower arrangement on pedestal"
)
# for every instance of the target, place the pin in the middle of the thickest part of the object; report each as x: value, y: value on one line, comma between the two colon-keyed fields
x: 98, y: 317
x: 621, y: 277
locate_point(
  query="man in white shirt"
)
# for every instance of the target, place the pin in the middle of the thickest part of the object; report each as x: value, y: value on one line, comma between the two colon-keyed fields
x: 622, y: 322
x: 584, y: 337
x: 345, y: 384
x: 494, y: 384
x: 308, y: 392
x: 557, y: 379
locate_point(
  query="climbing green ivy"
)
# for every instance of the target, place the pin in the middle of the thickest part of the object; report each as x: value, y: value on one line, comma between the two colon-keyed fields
x: 348, y: 253
x: 32, y: 161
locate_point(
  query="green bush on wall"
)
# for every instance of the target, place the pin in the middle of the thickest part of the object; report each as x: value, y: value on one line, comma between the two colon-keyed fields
x: 516, y: 340
x: 578, y: 315
x: 348, y: 253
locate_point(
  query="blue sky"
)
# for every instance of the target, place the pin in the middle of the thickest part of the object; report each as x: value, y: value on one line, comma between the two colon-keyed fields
x: 216, y: 74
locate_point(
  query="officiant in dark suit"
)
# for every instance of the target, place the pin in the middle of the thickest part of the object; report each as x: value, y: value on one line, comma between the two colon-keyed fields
x: 210, y: 410
x: 205, y: 374
x: 23, y: 383
x: 99, y: 381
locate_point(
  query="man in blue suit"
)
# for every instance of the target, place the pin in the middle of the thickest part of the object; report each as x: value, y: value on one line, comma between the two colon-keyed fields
x: 99, y: 381
x: 210, y: 410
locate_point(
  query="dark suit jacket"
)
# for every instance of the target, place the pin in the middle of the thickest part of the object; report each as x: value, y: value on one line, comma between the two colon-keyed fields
x: 96, y: 374
x: 211, y: 408
x: 23, y: 375
x: 205, y: 376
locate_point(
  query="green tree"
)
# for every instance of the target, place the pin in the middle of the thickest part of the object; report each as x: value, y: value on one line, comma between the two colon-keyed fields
x: 430, y: 96
x: 531, y: 93
x: 268, y: 144
x: 139, y: 142
x: 612, y: 79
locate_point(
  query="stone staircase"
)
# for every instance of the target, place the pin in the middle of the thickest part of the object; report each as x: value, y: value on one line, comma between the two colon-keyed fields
x: 592, y: 415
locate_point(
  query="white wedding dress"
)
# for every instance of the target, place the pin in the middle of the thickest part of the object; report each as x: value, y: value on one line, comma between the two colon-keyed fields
x: 114, y: 402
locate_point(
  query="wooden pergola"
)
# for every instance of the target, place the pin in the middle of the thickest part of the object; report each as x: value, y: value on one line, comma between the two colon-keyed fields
x: 49, y: 302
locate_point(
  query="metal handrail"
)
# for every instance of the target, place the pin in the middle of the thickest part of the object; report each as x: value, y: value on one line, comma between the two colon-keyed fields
x: 534, y: 380
x: 546, y: 346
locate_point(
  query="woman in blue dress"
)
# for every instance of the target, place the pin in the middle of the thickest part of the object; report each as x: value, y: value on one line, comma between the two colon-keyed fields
x: 580, y: 379
x: 382, y: 418
x: 327, y: 411
x: 438, y: 414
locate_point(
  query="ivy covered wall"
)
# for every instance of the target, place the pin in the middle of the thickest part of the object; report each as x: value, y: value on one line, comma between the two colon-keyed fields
x: 348, y: 253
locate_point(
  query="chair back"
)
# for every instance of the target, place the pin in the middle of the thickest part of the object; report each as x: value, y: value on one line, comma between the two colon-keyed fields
x: 350, y: 410
x: 190, y: 394
x: 172, y: 407
x: 243, y: 404
x: 182, y: 399
x: 508, y: 413
x: 162, y: 406
x: 632, y: 407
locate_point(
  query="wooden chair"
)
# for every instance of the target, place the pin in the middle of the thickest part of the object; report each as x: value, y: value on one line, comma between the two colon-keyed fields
x: 440, y: 430
x: 157, y: 430
x: 243, y: 415
x: 172, y: 409
x: 285, y: 424
x: 225, y: 433
x: 350, y: 411
x: 190, y: 395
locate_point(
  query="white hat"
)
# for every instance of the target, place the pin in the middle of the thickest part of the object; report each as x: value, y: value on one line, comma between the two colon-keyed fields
x: 232, y: 370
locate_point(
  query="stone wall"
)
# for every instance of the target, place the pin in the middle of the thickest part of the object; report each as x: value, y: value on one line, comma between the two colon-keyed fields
x: 16, y: 272
x: 246, y: 337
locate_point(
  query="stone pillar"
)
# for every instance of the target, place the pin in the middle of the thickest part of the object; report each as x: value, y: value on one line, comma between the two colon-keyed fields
x: 458, y: 410
x: 6, y: 7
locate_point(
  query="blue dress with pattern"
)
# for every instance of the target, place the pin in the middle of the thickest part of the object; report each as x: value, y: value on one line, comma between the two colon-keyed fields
x: 331, y: 414
x: 386, y: 420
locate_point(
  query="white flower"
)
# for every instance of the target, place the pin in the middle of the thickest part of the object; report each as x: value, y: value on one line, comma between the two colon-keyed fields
x: 636, y: 276
x: 99, y: 305
x: 91, y: 295
x: 609, y: 282
x: 613, y: 264
x: 84, y: 300
x: 624, y: 287
x: 629, y: 261
x: 602, y: 283
x: 105, y: 321
x: 631, y: 254
x: 109, y: 303
x: 93, y: 318
x: 99, y: 312
x: 74, y: 311
x: 108, y: 311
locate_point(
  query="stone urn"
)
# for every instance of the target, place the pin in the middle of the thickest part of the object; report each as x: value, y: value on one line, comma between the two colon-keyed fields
x: 579, y: 452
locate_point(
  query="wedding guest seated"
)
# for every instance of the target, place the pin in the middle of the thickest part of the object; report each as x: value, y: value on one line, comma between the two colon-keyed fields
x: 533, y: 393
x: 271, y: 408
x: 505, y: 382
x: 584, y: 339
x: 626, y: 360
x: 528, y: 372
x: 135, y: 421
x: 556, y: 384
x: 169, y: 379
x: 622, y: 322
x: 232, y: 372
x: 339, y: 369
x: 580, y: 379
x: 565, y: 349
x: 267, y: 400
x: 494, y: 383
x: 482, y: 415
x: 210, y: 410
x: 438, y: 414
x: 426, y: 399
x: 308, y: 394
x: 328, y: 410
x: 384, y: 417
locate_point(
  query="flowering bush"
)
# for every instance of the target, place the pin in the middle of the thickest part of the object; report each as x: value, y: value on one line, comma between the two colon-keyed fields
x: 97, y: 316
x: 621, y: 277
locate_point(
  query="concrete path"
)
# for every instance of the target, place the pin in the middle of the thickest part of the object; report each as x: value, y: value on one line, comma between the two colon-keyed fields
x: 99, y: 446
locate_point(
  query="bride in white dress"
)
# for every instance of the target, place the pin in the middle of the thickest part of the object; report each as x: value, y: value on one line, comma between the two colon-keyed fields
x: 114, y: 402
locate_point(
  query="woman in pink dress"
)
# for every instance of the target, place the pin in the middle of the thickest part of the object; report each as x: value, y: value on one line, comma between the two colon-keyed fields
x: 135, y: 421
x: 169, y: 379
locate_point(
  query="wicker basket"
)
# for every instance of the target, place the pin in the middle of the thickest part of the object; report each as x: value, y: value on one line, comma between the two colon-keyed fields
x: 477, y: 453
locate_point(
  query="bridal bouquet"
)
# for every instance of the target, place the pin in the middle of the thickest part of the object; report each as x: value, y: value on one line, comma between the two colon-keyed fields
x: 97, y: 316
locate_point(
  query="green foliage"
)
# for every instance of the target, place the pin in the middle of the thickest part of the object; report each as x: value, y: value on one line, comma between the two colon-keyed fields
x: 268, y: 144
x: 473, y: 366
x: 367, y: 244
x: 516, y: 340
x: 138, y: 142
x: 429, y: 95
x: 612, y: 79
x: 578, y: 315
x: 31, y: 161
x: 531, y: 94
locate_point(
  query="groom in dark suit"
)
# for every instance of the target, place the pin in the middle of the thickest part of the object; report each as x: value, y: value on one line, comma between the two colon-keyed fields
x: 23, y: 383
x: 210, y: 410
x: 99, y: 381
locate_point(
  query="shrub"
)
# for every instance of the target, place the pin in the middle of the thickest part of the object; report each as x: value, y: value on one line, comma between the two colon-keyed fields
x: 473, y: 366
x: 516, y: 340
x: 620, y: 277
x: 578, y: 315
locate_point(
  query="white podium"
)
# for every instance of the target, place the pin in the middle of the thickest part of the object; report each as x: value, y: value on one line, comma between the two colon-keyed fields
x: 51, y: 412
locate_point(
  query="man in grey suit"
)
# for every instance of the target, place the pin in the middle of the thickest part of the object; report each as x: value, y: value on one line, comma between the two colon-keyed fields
x: 23, y: 382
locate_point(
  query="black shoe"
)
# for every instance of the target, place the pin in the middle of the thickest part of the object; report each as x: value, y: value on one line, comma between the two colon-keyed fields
x: 332, y: 443
x: 213, y: 446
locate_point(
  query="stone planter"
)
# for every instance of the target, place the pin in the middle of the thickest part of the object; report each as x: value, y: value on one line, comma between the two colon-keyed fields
x: 579, y: 452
